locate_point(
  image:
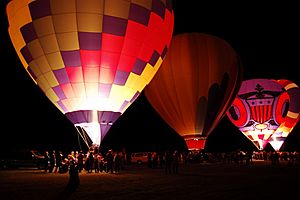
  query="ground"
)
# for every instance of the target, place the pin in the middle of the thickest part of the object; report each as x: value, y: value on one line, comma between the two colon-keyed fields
x: 194, y: 181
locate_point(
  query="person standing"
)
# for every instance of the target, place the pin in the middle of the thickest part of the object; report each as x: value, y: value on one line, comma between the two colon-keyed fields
x: 73, y: 176
x: 46, y: 161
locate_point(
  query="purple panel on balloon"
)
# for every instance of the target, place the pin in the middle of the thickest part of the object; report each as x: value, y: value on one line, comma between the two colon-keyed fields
x: 108, y: 116
x: 139, y: 66
x: 104, y: 89
x: 61, y: 76
x: 159, y: 8
x: 169, y: 5
x: 253, y: 85
x: 121, y: 77
x: 154, y: 58
x: 114, y: 25
x: 139, y: 14
x: 106, y: 120
x: 39, y: 9
x: 26, y: 54
x: 90, y: 41
x: 77, y: 117
x: 163, y: 54
x: 135, y: 96
x: 28, y: 32
x: 62, y: 106
x: 31, y: 73
x: 125, y: 103
x: 59, y: 92
x: 294, y: 94
x: 71, y: 58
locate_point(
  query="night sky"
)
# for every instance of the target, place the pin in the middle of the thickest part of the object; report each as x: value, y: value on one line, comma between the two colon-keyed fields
x: 265, y: 36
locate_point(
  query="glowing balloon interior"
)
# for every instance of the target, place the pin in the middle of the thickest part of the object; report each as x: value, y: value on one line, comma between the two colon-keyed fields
x: 266, y: 109
x: 196, y: 84
x: 91, y: 58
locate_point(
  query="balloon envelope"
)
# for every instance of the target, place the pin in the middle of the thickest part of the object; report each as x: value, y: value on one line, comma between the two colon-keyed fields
x: 195, y: 85
x: 264, y: 108
x: 92, y: 58
x: 292, y: 116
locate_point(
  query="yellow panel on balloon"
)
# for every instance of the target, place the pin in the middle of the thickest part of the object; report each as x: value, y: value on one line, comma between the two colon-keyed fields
x: 90, y: 6
x: 143, y: 3
x: 79, y: 89
x: 117, y: 8
x: 292, y: 115
x: 88, y: 22
x: 35, y: 49
x: 35, y: 68
x: 158, y: 63
x: 68, y: 41
x: 18, y: 44
x: 43, y: 83
x: 43, y: 64
x: 148, y: 73
x: 43, y: 26
x: 130, y: 93
x: 123, y: 91
x: 62, y: 6
x: 52, y: 95
x: 19, y: 18
x: 117, y: 92
x: 55, y: 61
x: 58, y: 106
x: 135, y: 81
x: 49, y: 44
x: 67, y: 88
x: 51, y: 79
x: 91, y: 89
x: 60, y: 25
x: 66, y: 103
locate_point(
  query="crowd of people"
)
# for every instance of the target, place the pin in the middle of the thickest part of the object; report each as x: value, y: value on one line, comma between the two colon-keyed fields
x: 94, y: 161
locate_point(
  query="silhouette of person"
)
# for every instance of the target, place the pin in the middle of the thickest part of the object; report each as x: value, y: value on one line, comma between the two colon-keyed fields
x: 73, y: 177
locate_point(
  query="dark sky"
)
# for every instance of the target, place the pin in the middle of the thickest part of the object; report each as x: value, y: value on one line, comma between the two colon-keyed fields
x: 266, y: 37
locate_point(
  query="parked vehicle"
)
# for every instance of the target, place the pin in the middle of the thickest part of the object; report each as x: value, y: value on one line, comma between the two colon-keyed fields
x: 17, y: 159
x: 139, y: 157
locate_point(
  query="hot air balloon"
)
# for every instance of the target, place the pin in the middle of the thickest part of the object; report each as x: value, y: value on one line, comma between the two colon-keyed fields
x: 91, y: 58
x: 292, y: 116
x: 264, y: 108
x: 195, y: 85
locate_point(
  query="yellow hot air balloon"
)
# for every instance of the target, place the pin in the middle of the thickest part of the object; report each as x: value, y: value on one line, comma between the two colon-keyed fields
x: 92, y: 58
x: 197, y: 82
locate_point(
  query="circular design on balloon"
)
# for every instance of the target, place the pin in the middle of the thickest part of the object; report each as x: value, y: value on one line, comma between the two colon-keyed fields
x: 281, y: 107
x: 238, y: 113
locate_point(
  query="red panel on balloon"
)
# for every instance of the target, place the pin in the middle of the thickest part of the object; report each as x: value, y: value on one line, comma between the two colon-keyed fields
x: 136, y: 31
x: 131, y: 47
x: 126, y: 63
x: 112, y: 43
x: 110, y: 60
x: 75, y: 74
x: 90, y: 58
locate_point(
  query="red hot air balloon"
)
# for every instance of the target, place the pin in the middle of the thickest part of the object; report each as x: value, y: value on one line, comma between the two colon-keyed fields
x: 92, y: 58
x: 195, y: 85
x: 265, y: 107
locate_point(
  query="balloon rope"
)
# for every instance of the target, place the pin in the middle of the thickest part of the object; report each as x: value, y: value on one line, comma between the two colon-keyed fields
x: 82, y: 136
